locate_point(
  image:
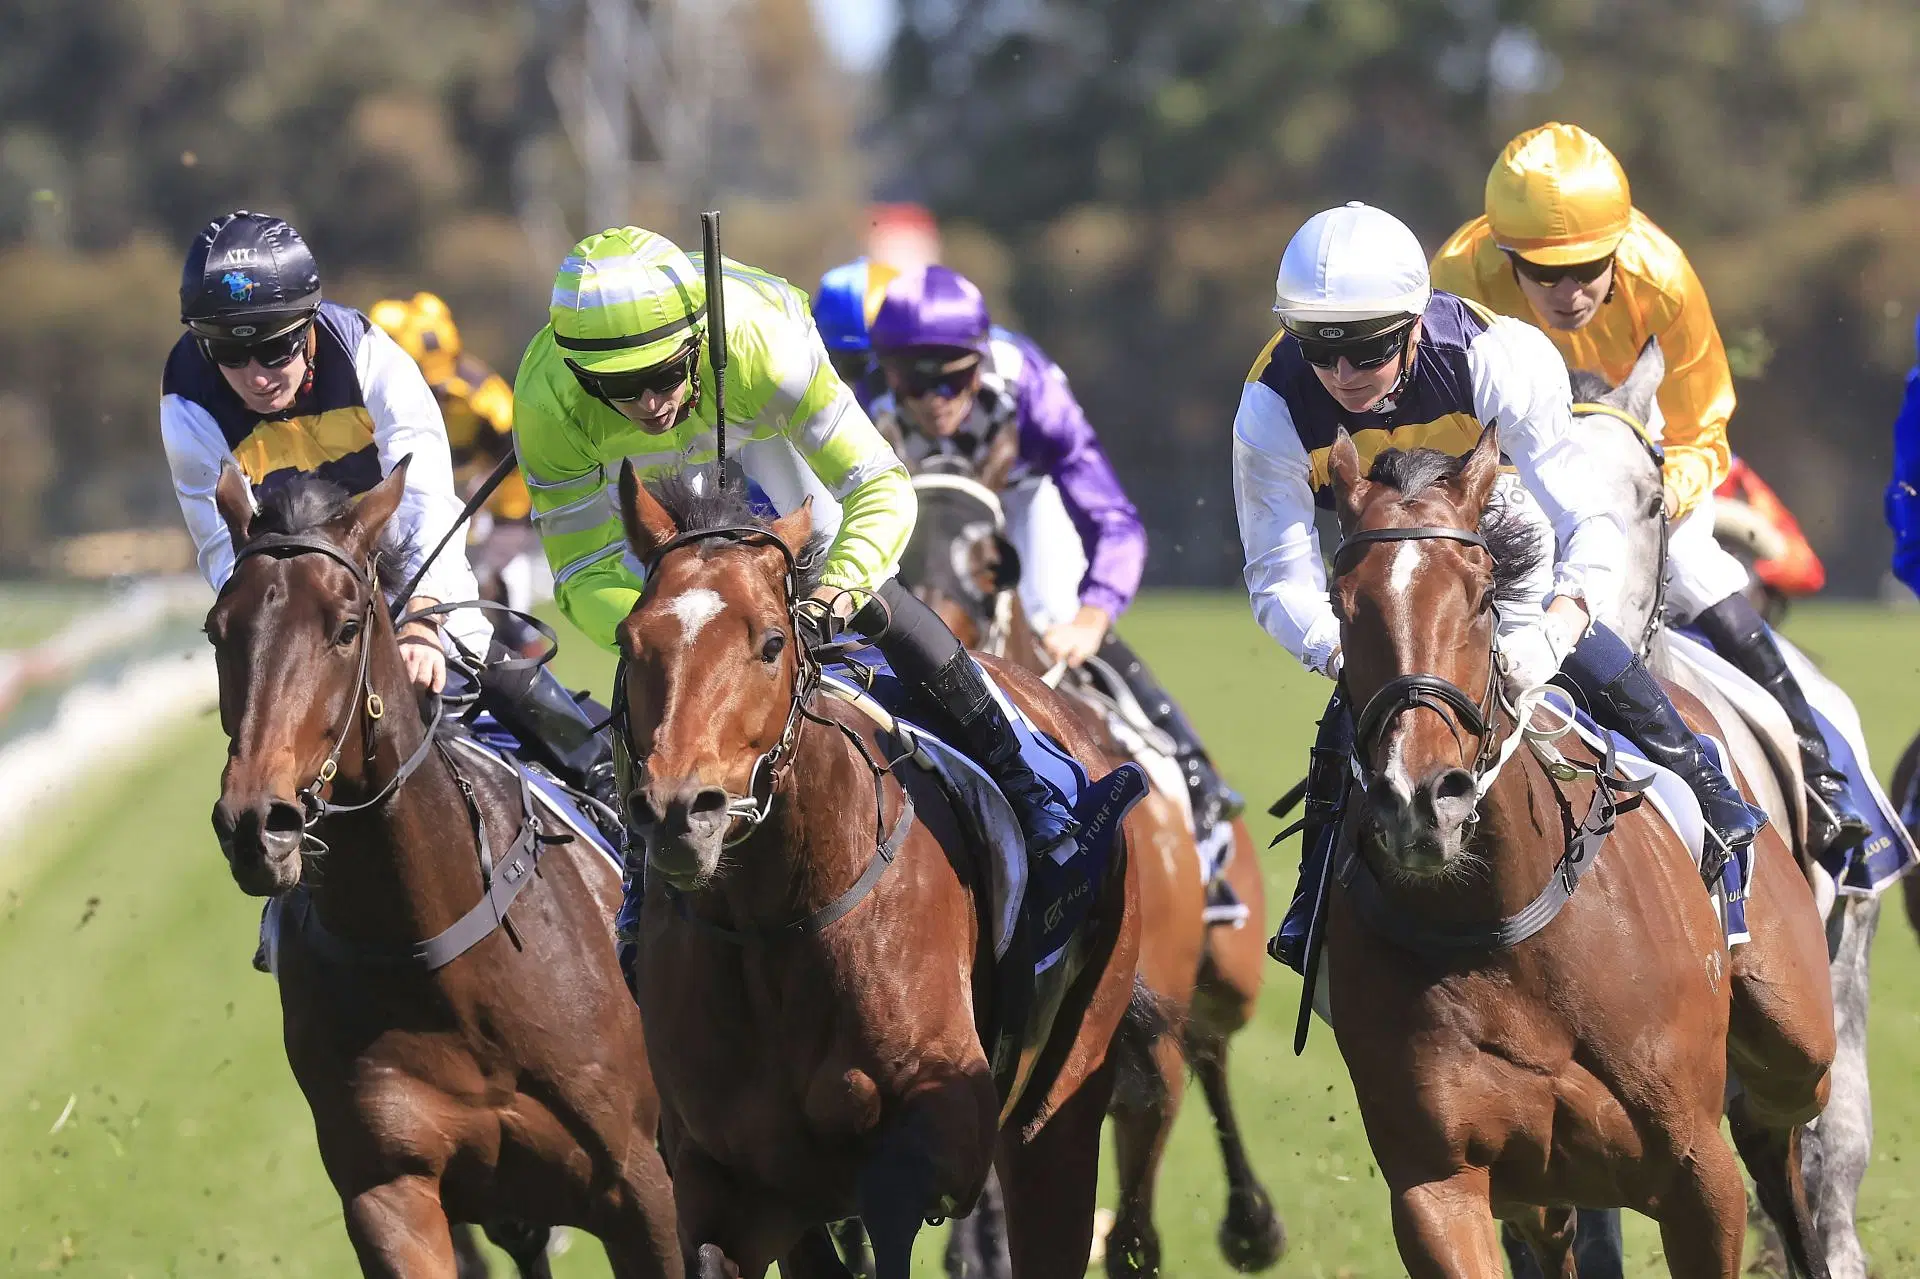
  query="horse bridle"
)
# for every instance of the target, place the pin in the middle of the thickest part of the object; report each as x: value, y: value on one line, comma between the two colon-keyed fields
x: 751, y: 809
x: 314, y: 807
x: 1408, y: 692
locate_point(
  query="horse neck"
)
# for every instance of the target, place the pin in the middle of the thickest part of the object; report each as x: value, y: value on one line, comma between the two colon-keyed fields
x: 408, y: 867
x: 1519, y: 838
x: 817, y: 836
x: 1023, y: 642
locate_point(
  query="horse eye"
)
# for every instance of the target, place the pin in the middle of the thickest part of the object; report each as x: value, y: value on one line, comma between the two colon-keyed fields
x: 349, y: 631
x: 772, y: 646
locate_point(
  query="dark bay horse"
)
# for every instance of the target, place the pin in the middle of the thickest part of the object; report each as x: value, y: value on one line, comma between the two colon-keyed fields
x: 1504, y: 1066
x: 1208, y: 978
x: 507, y: 1085
x: 809, y: 954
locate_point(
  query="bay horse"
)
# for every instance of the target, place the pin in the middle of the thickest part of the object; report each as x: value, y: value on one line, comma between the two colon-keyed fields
x: 1517, y: 1050
x: 961, y: 563
x: 809, y: 954
x: 506, y: 1083
x: 1837, y: 1151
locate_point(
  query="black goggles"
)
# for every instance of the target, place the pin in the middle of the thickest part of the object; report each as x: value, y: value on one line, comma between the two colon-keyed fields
x: 655, y: 379
x: 1368, y: 352
x: 916, y: 375
x: 852, y: 366
x: 271, y: 353
x: 1548, y: 276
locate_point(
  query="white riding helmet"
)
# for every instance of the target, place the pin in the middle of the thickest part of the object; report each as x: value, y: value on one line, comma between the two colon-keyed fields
x: 1348, y: 265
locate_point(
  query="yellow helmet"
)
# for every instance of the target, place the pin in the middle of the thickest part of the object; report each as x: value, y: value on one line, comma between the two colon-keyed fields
x: 423, y: 326
x: 1558, y: 197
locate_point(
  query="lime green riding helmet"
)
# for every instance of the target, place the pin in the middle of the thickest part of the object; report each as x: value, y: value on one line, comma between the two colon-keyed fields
x: 625, y: 299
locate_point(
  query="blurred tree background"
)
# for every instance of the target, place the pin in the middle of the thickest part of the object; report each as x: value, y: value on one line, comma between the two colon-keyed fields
x: 1121, y: 176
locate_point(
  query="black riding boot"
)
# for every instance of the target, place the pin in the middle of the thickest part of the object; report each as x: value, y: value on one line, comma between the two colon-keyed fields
x: 1739, y: 634
x: 1625, y: 697
x: 1213, y: 800
x: 553, y: 727
x: 930, y: 661
x: 1329, y: 776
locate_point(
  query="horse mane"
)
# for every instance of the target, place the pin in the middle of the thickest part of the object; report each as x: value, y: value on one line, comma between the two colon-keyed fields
x: 304, y: 503
x: 696, y: 506
x: 1514, y: 545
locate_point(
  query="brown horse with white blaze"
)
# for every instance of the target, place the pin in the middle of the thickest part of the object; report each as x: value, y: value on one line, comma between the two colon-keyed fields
x: 810, y: 955
x: 497, y: 1078
x: 1514, y: 1071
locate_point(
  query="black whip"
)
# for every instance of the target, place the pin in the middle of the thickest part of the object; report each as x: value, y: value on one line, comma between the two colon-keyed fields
x: 716, y: 338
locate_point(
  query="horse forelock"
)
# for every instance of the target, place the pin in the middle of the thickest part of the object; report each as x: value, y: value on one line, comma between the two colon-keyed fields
x: 307, y: 505
x: 1407, y: 477
x: 695, y: 505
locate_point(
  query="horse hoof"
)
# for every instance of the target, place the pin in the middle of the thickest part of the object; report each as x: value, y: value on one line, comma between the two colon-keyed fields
x: 1130, y: 1253
x: 1251, y: 1237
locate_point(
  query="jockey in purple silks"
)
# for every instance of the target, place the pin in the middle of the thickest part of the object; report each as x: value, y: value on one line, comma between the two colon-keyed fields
x: 956, y: 383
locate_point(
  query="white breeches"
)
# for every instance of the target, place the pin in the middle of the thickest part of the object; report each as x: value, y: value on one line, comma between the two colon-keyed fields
x: 1052, y: 562
x: 1700, y: 571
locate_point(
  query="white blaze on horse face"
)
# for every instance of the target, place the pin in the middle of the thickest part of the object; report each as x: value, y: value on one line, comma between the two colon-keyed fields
x: 695, y: 608
x: 1406, y: 560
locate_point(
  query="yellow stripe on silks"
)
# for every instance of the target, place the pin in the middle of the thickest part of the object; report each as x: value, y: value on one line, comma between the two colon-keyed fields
x: 304, y: 443
x: 1455, y: 434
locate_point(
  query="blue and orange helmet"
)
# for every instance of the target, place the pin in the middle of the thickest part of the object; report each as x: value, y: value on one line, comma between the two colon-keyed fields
x: 846, y: 302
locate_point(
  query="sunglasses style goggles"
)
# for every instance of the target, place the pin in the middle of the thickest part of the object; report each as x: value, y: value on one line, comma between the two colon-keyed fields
x: 271, y: 353
x: 937, y: 375
x: 1325, y: 345
x: 1548, y: 276
x: 657, y: 379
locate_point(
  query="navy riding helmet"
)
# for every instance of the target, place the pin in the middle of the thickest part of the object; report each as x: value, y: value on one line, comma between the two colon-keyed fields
x: 248, y: 277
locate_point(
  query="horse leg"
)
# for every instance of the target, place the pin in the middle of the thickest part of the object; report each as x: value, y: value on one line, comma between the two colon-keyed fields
x: 468, y: 1261
x: 1780, y: 1026
x: 1251, y: 1235
x: 1050, y: 1182
x: 525, y: 1244
x: 1146, y: 1102
x: 815, y: 1257
x: 1835, y: 1148
x: 399, y: 1230
x: 1772, y: 1157
x: 1445, y: 1229
x: 896, y: 1193
x: 635, y: 1221
x: 1703, y: 1216
x: 1539, y: 1242
x: 855, y: 1248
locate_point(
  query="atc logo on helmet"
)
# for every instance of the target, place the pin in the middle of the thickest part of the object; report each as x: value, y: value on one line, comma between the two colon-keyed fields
x: 240, y: 286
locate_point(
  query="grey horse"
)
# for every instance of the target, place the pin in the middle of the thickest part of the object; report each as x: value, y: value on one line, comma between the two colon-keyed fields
x: 1838, y: 1145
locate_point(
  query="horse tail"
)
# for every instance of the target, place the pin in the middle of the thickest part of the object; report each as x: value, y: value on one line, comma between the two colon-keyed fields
x: 1149, y: 1022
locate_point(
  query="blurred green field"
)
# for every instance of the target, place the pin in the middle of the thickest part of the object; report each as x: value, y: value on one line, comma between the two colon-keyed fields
x: 152, y: 1127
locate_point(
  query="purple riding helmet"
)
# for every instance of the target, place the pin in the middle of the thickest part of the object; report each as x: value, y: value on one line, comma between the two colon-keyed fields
x: 935, y: 307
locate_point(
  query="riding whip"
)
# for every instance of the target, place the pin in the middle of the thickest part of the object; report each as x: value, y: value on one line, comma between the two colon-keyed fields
x: 716, y: 338
x: 479, y: 499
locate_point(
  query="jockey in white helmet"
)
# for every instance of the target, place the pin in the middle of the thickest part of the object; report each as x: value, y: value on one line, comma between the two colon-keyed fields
x: 1368, y: 346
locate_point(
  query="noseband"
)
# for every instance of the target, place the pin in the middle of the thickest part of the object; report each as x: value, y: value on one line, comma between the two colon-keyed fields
x: 751, y: 809
x: 1407, y: 692
x: 286, y: 546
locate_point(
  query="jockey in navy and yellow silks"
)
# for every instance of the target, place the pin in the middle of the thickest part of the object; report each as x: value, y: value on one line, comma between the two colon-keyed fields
x: 1561, y: 245
x: 1368, y: 345
x: 273, y: 379
x: 475, y: 402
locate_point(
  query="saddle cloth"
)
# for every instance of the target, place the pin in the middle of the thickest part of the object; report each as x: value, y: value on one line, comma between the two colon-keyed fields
x: 1100, y: 807
x: 493, y: 745
x: 1864, y: 871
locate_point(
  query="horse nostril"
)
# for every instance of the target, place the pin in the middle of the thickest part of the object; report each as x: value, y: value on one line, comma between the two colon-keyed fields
x: 707, y: 802
x: 1453, y: 785
x: 284, y: 818
x: 224, y: 822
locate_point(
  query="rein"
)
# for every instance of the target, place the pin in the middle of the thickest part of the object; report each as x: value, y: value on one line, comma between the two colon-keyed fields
x: 1413, y: 930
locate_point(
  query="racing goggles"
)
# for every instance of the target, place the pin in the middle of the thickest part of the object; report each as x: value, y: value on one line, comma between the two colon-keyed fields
x: 271, y: 352
x: 655, y: 379
x: 1548, y: 276
x: 1325, y: 345
x: 944, y: 373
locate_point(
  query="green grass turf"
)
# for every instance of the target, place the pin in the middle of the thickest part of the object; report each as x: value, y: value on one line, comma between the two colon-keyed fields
x: 189, y: 1151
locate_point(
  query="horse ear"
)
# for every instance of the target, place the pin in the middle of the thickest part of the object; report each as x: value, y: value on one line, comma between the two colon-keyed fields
x: 648, y: 525
x: 371, y: 513
x: 1637, y: 393
x: 1475, y: 481
x: 795, y: 528
x: 233, y: 498
x: 1350, y: 489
